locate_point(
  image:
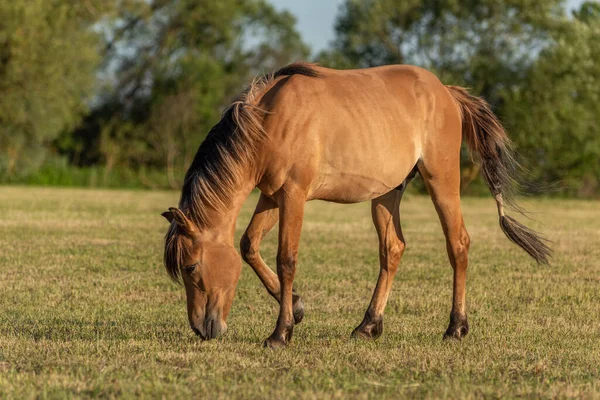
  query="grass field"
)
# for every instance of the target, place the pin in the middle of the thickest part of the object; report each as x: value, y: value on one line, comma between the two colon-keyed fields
x: 87, y: 310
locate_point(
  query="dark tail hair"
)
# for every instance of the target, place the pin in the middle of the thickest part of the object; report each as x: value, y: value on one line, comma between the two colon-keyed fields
x: 487, y: 138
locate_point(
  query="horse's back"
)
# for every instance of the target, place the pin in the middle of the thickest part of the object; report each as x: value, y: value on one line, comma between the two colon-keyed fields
x: 349, y: 135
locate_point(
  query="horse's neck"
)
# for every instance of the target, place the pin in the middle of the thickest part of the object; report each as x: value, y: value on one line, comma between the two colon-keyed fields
x: 221, y: 224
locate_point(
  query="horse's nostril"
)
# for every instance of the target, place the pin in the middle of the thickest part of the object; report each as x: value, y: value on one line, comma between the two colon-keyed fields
x: 209, y: 329
x: 198, y: 333
x: 214, y: 328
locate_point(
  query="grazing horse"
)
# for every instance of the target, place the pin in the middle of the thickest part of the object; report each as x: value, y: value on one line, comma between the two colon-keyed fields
x: 306, y: 132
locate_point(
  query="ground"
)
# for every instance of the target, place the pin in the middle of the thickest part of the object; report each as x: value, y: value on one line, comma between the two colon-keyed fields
x: 88, y: 310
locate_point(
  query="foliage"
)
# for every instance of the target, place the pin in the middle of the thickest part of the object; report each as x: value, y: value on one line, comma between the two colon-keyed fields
x: 133, y: 86
x: 506, y: 51
x: 149, y: 78
x: 173, y: 66
x: 57, y: 171
x: 48, y: 57
x: 556, y: 113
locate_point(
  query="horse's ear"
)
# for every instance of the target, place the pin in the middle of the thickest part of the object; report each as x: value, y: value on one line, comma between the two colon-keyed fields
x: 168, y: 216
x: 179, y: 217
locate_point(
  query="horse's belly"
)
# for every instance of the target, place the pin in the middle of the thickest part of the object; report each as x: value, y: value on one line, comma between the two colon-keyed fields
x: 361, y: 165
x: 344, y: 188
x: 354, y: 185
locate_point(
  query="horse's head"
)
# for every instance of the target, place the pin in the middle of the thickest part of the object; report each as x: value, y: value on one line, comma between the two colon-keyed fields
x: 210, y: 269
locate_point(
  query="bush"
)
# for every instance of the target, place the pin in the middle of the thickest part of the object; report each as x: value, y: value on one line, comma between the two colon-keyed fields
x: 58, y: 172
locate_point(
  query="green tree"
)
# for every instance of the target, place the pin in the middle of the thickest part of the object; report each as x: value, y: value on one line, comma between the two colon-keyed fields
x: 489, y: 46
x: 555, y: 115
x: 171, y: 67
x: 473, y: 42
x: 48, y: 59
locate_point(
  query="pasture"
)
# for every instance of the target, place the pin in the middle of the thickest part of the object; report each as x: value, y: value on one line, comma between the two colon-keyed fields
x: 86, y: 308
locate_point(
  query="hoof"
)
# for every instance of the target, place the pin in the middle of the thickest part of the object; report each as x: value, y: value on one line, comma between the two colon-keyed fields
x: 274, y: 344
x: 369, y: 330
x: 458, y: 328
x: 298, y: 309
x: 279, y: 340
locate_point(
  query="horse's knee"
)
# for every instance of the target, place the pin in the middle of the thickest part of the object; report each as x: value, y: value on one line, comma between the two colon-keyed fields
x: 286, y: 265
x: 465, y: 239
x: 248, y: 249
x: 460, y: 247
x: 394, y: 253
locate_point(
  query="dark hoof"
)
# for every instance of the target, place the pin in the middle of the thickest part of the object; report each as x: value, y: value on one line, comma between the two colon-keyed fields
x: 458, y: 328
x: 279, y: 340
x: 369, y: 330
x: 274, y: 344
x: 298, y: 309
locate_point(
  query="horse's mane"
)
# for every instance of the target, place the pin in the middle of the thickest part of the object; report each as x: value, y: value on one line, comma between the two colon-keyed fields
x: 223, y: 157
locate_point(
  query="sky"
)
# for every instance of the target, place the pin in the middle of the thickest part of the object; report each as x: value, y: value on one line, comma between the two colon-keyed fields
x: 316, y: 18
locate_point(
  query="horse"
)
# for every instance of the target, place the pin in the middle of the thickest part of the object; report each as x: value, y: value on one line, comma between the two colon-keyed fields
x: 307, y: 132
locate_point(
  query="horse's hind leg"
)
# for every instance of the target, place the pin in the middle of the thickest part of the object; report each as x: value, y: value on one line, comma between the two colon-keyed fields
x: 265, y: 217
x: 443, y: 183
x: 385, y: 211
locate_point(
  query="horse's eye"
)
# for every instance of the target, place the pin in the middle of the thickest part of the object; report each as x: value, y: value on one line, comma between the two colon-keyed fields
x: 190, y: 268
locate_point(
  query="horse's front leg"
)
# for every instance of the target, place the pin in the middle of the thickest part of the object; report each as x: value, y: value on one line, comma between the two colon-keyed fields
x: 265, y: 216
x: 291, y: 211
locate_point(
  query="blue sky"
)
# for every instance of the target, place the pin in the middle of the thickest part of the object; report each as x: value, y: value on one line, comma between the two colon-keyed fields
x: 316, y: 18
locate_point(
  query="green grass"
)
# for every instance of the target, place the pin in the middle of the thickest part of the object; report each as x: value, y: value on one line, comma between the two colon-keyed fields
x: 87, y: 310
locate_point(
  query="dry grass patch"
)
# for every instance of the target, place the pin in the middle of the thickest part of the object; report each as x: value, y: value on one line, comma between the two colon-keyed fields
x: 88, y: 311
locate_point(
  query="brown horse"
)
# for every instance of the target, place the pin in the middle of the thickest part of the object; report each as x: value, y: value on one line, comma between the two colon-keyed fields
x: 307, y: 132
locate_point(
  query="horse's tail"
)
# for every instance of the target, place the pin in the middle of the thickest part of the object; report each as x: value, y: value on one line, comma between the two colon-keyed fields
x: 487, y: 138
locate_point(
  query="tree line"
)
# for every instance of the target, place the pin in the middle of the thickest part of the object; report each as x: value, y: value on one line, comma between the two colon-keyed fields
x: 121, y: 93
